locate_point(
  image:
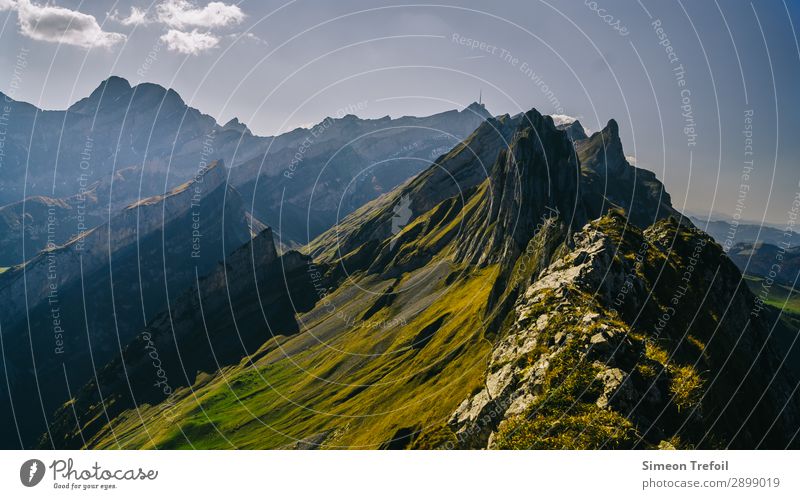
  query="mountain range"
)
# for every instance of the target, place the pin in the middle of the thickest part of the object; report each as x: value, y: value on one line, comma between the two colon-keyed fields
x: 729, y: 234
x: 67, y: 171
x: 456, y: 281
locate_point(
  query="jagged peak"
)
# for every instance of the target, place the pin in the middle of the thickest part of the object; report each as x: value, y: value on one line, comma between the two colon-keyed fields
x: 612, y: 128
x: 169, y: 94
x: 114, y: 81
x: 544, y: 129
x: 609, y: 134
x: 534, y: 116
x: 607, y: 141
x: 236, y: 125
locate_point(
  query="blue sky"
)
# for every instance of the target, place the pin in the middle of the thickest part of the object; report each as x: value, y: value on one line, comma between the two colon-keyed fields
x: 277, y: 65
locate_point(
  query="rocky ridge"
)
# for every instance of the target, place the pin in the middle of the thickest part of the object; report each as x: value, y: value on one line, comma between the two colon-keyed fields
x: 586, y: 364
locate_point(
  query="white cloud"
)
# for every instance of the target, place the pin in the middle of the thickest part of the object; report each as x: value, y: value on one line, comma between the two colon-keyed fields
x: 57, y: 24
x: 182, y: 14
x: 631, y: 159
x: 135, y: 18
x: 192, y: 29
x: 190, y: 43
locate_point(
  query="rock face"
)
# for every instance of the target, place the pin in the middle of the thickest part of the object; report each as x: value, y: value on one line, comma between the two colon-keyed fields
x: 599, y: 355
x: 535, y: 178
x: 75, y: 306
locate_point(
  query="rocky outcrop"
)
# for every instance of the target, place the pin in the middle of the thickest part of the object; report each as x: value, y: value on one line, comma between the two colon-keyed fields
x: 609, y: 348
x: 236, y: 126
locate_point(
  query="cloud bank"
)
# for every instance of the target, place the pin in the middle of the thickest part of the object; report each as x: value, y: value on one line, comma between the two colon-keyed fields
x: 191, y: 29
x: 181, y: 14
x: 190, y: 43
x: 49, y: 23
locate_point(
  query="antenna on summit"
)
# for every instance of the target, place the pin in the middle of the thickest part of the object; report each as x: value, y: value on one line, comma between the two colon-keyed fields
x: 480, y: 96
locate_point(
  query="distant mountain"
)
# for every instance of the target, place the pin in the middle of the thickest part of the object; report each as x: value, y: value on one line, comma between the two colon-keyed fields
x: 574, y: 130
x: 28, y: 227
x: 778, y: 263
x: 67, y: 171
x: 729, y: 234
x: 59, y: 153
x: 455, y: 175
x: 31, y: 225
x: 344, y: 163
x: 123, y: 143
x: 502, y: 298
x: 72, y: 307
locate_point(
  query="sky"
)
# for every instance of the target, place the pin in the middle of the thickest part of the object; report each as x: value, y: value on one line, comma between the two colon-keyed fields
x: 705, y: 93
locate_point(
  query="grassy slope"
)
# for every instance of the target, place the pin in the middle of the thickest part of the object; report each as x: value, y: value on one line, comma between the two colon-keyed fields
x: 362, y: 400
